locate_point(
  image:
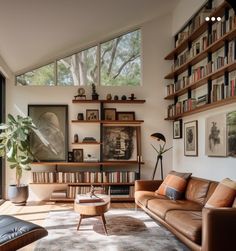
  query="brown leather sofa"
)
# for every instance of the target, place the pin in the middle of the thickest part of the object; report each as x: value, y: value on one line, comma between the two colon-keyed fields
x: 198, y: 227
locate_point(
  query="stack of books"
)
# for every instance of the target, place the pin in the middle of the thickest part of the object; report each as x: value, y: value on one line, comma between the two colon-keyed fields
x: 58, y: 194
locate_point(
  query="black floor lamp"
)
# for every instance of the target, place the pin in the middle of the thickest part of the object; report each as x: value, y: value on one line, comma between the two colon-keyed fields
x: 160, y: 152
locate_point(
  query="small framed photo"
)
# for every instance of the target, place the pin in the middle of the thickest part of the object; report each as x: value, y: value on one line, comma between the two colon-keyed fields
x: 110, y: 114
x: 125, y: 116
x: 92, y: 114
x: 177, y: 129
x: 70, y: 157
x: 78, y: 155
x: 191, y: 138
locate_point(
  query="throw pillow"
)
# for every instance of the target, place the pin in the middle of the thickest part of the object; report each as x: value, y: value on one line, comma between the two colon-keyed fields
x: 224, y: 194
x: 174, y: 185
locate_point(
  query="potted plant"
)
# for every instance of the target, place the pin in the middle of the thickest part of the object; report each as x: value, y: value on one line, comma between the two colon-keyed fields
x: 15, y: 147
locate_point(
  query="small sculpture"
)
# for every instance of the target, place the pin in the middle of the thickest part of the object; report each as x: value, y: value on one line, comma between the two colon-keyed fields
x: 94, y: 93
x: 116, y: 97
x: 76, y: 138
x: 80, y: 116
x: 109, y: 97
x: 92, y: 192
x: 132, y: 97
x: 123, y: 97
x: 81, y: 94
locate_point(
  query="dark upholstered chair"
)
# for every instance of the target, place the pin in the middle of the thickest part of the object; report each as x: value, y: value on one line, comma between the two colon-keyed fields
x: 16, y: 233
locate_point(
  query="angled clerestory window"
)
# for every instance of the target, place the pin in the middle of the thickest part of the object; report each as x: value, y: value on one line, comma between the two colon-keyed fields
x: 116, y: 62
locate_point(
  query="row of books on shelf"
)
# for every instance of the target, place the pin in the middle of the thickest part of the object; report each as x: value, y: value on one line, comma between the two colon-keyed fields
x: 84, y: 177
x: 221, y: 91
x: 113, y: 191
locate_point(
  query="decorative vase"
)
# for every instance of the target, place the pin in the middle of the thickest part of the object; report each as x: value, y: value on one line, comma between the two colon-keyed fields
x: 18, y: 195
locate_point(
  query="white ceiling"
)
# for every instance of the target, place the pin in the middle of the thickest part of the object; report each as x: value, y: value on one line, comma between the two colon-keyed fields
x: 35, y: 31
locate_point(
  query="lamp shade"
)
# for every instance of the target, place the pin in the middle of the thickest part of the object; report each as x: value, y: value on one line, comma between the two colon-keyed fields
x: 159, y: 136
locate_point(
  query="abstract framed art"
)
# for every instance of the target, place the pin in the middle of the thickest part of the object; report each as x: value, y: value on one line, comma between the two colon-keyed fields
x: 50, y: 143
x: 191, y: 138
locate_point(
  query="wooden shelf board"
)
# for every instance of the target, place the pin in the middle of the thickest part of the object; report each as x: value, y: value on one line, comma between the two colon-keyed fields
x: 212, y: 76
x: 206, y: 107
x: 87, y: 143
x: 211, y: 48
x: 109, y: 121
x: 84, y: 164
x: 135, y: 101
x: 201, y: 29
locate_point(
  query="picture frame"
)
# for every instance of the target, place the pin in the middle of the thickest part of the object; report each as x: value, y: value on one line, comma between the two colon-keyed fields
x: 92, y: 114
x: 78, y: 155
x: 215, y: 136
x: 50, y: 143
x: 231, y: 133
x: 109, y: 113
x: 177, y: 129
x: 125, y: 115
x: 191, y: 138
x: 121, y: 143
x: 70, y: 157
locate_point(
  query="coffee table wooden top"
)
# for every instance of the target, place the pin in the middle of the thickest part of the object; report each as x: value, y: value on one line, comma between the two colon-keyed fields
x: 93, y: 208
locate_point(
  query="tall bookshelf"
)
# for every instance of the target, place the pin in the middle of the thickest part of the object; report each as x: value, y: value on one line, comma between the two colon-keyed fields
x: 119, y: 183
x: 204, y: 62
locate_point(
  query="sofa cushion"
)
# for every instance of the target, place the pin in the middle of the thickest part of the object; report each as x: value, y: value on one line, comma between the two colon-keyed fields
x: 211, y: 189
x: 223, y: 195
x: 174, y: 185
x: 144, y: 196
x: 189, y: 223
x: 161, y: 206
x: 197, y: 190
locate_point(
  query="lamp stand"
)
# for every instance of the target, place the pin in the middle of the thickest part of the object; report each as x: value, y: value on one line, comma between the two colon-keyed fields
x: 159, y: 157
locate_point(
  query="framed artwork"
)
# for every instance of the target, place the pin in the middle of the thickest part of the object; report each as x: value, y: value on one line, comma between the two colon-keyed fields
x: 78, y: 155
x: 191, y: 138
x: 125, y: 116
x: 50, y: 143
x: 110, y: 114
x: 92, y: 114
x: 120, y: 143
x: 216, y: 143
x: 231, y: 133
x: 177, y: 129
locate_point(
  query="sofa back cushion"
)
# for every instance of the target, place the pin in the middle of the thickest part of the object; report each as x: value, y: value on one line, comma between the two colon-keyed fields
x: 174, y: 185
x: 224, y: 194
x: 197, y: 190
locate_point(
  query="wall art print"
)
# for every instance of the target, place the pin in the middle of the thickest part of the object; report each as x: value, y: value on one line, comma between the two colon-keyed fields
x: 177, y: 129
x: 120, y: 143
x: 51, y: 141
x: 216, y: 143
x: 231, y: 133
x: 191, y: 138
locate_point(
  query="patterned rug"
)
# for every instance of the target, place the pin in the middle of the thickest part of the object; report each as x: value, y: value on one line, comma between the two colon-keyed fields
x: 128, y: 230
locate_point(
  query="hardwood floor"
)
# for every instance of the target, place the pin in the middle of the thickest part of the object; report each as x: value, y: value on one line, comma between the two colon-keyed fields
x: 36, y: 212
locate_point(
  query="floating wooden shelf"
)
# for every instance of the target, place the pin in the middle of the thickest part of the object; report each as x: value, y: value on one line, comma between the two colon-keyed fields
x: 201, y: 29
x: 86, y: 164
x: 206, y: 107
x: 211, y: 48
x: 87, y: 143
x: 211, y: 76
x: 109, y: 121
x: 135, y: 101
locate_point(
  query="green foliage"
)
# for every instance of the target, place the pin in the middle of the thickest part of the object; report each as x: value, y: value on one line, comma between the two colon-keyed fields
x: 15, y: 145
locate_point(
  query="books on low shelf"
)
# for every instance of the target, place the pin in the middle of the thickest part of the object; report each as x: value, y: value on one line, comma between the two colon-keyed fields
x: 59, y: 194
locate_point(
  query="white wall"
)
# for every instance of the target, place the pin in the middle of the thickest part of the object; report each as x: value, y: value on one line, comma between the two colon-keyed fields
x: 156, y: 44
x: 215, y: 168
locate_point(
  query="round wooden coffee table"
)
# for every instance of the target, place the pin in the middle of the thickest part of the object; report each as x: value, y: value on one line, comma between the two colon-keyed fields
x: 92, y: 209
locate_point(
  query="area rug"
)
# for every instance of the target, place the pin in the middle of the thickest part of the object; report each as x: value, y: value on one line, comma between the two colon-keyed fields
x: 128, y: 230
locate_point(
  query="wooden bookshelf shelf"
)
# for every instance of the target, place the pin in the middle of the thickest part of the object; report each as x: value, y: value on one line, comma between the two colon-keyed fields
x: 212, y: 76
x: 211, y: 48
x: 87, y: 164
x: 201, y: 29
x: 87, y: 143
x: 206, y: 107
x: 109, y: 121
x: 135, y: 101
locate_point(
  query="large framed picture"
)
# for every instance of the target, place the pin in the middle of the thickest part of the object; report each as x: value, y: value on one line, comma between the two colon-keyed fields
x: 216, y: 143
x: 177, y: 129
x: 121, y: 143
x: 231, y: 133
x: 50, y: 143
x: 191, y: 138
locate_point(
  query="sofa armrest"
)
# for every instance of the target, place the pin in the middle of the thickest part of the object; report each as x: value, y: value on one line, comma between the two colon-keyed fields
x: 218, y: 229
x: 147, y: 185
